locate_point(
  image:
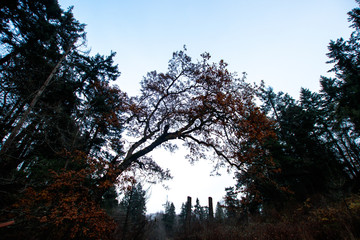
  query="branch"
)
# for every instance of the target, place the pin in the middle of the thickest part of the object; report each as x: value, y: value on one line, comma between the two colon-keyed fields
x: 156, y: 107
x: 217, y: 151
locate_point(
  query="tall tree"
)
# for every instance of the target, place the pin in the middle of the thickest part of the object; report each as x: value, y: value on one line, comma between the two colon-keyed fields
x: 199, y: 212
x: 345, y: 88
x: 133, y: 205
x: 307, y: 161
x: 35, y: 35
x: 169, y: 218
x: 68, y: 112
x: 342, y: 95
x: 232, y: 203
x: 219, y: 213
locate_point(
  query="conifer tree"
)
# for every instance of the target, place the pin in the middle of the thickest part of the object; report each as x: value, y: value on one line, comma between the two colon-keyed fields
x: 169, y: 218
x: 133, y: 208
x: 219, y: 213
x: 199, y: 212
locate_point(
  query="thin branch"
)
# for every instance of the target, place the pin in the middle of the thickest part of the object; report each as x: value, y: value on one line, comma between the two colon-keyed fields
x: 217, y: 151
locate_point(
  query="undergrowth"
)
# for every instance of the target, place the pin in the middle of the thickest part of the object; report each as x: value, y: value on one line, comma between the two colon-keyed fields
x: 312, y: 220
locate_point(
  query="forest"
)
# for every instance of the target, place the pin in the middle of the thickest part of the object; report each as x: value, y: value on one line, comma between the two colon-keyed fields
x: 69, y: 171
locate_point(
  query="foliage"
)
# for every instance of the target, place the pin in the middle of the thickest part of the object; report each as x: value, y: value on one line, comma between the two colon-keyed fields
x: 345, y: 88
x: 304, y: 151
x: 182, y: 215
x: 199, y: 211
x: 219, y: 213
x: 68, y: 115
x: 133, y: 209
x: 342, y: 95
x: 169, y: 218
x: 62, y: 153
x: 64, y: 209
x: 54, y: 167
x: 109, y: 201
x: 206, y: 107
x: 232, y: 203
x: 316, y: 149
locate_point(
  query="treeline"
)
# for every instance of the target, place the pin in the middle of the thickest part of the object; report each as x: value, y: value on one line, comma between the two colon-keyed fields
x: 63, y: 157
x: 317, y: 148
x: 314, y: 183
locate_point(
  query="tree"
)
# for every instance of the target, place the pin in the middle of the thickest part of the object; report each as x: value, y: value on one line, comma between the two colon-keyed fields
x: 35, y: 35
x: 305, y: 150
x: 342, y: 95
x: 110, y: 202
x: 199, y: 212
x: 202, y: 104
x: 182, y: 215
x: 345, y: 88
x: 133, y: 207
x: 59, y: 111
x: 169, y: 218
x: 232, y: 203
x: 219, y: 213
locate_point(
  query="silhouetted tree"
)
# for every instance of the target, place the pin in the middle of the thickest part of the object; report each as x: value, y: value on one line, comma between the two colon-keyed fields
x: 306, y: 159
x: 345, y: 88
x: 199, y: 211
x: 169, y: 218
x: 219, y: 213
x: 232, y: 203
x: 133, y: 207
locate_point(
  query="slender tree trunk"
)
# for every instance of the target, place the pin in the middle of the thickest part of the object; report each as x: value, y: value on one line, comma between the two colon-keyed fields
x: 188, y: 216
x: 10, y: 118
x: 127, y: 216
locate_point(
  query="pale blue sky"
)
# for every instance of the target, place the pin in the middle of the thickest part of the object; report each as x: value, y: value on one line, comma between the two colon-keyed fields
x: 282, y: 42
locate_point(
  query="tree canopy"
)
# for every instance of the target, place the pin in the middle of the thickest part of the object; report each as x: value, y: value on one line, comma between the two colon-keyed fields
x: 69, y: 136
x: 62, y: 118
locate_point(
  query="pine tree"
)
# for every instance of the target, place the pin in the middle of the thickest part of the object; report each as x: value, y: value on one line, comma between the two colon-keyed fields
x: 109, y: 201
x: 182, y: 215
x: 219, y: 213
x: 345, y: 88
x: 169, y: 218
x: 305, y: 151
x: 199, y: 212
x: 232, y: 203
x: 133, y: 207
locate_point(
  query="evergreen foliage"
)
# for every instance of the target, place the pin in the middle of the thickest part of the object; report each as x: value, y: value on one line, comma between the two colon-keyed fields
x: 199, y: 211
x: 169, y: 218
x: 219, y: 213
x: 62, y: 159
x: 133, y: 209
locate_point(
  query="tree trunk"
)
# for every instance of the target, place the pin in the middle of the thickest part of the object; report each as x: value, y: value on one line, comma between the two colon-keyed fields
x: 211, y: 209
x: 37, y: 96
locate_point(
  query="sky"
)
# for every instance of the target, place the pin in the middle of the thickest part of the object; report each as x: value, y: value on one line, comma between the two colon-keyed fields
x: 283, y: 42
